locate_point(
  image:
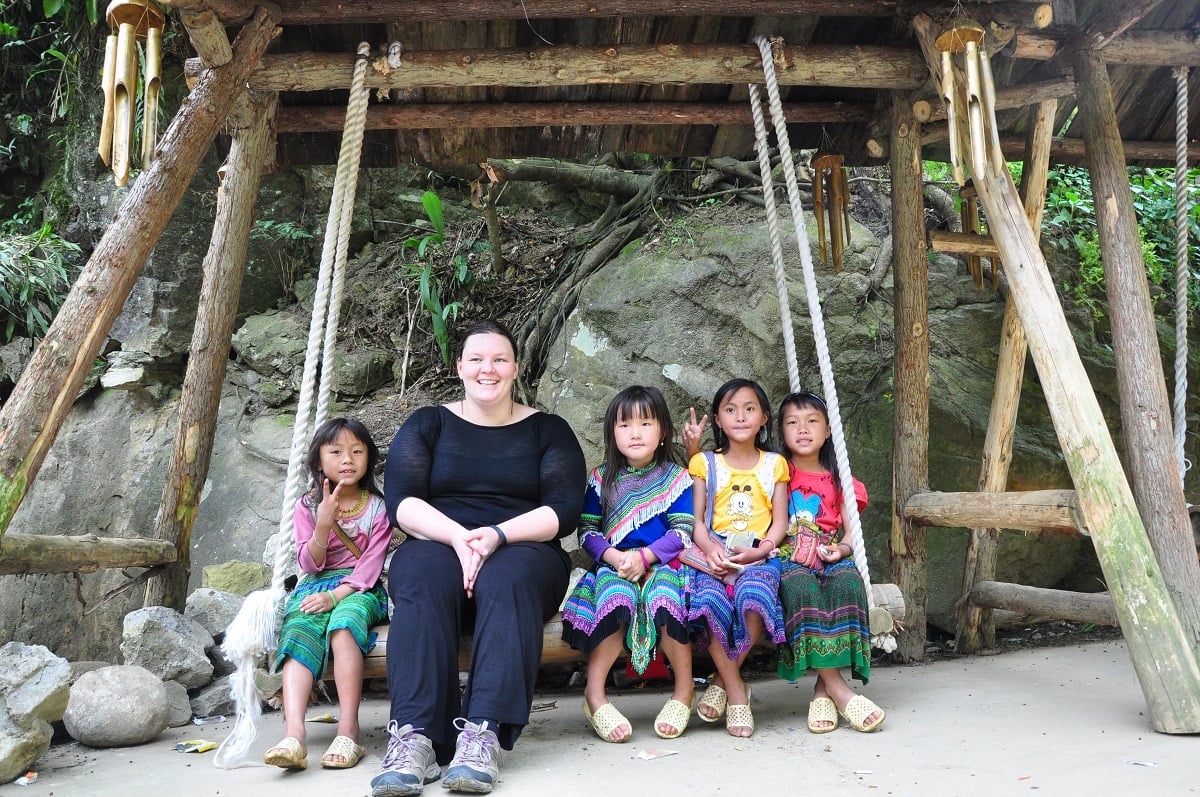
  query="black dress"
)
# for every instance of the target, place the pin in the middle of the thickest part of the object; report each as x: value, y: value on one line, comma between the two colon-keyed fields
x: 476, y: 476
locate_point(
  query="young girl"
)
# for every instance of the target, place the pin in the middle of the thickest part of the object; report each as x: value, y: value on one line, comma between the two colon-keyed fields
x: 637, y: 518
x: 748, y: 484
x: 342, y: 536
x: 825, y: 603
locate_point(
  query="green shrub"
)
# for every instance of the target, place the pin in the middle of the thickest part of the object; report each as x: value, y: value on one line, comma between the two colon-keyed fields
x: 35, y: 275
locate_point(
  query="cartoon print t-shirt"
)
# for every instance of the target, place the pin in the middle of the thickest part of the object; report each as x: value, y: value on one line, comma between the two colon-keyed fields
x: 813, y: 500
x: 742, y: 498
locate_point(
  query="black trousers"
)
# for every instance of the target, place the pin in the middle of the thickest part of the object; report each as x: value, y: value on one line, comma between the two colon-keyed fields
x: 518, y: 589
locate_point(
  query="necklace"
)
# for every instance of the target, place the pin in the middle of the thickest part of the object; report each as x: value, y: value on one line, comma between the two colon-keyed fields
x: 354, y: 510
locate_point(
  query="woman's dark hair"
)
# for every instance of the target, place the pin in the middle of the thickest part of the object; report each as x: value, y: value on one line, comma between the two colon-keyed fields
x: 635, y: 401
x: 327, y: 433
x: 762, y: 440
x: 803, y: 401
x: 488, y: 326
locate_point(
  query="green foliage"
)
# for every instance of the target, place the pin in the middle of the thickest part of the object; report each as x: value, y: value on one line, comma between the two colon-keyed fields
x: 35, y: 275
x: 291, y: 240
x: 1070, y: 224
x: 438, y: 280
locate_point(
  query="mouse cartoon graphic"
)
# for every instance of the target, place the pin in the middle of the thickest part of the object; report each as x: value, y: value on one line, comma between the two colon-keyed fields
x: 739, y: 510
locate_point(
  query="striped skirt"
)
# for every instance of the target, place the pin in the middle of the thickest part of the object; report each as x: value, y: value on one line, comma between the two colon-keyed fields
x: 602, y: 602
x: 305, y: 637
x: 825, y: 621
x: 718, y: 611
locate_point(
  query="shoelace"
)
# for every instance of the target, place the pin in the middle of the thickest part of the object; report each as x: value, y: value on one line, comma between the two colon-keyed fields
x: 400, y: 748
x: 477, y: 745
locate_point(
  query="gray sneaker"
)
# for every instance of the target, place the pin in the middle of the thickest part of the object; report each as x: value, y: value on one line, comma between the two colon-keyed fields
x: 475, y: 767
x: 408, y: 764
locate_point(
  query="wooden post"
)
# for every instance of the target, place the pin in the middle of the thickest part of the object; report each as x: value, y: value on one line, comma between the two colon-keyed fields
x: 1162, y: 652
x: 910, y: 437
x: 1145, y: 410
x: 250, y: 154
x: 33, y: 414
x: 975, y: 628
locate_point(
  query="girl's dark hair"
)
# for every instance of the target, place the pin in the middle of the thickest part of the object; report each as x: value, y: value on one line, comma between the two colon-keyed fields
x: 762, y: 440
x: 328, y: 432
x: 488, y: 326
x: 634, y: 402
x: 803, y: 401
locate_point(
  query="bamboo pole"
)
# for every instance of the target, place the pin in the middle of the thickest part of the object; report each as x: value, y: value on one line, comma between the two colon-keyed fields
x: 975, y: 628
x: 42, y: 397
x: 1145, y: 410
x: 1161, y: 651
x: 251, y: 152
x: 910, y: 441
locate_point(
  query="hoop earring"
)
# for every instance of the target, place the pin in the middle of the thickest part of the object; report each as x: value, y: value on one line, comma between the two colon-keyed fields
x: 762, y: 434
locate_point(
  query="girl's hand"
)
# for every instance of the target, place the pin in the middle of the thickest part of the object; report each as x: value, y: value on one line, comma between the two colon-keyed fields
x: 632, y: 567
x: 692, y: 431
x: 327, y: 509
x: 830, y: 553
x: 717, y: 559
x: 317, y: 603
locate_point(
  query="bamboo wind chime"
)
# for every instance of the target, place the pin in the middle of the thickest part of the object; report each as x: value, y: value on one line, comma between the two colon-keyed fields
x: 130, y: 22
x: 970, y: 102
x: 831, y: 195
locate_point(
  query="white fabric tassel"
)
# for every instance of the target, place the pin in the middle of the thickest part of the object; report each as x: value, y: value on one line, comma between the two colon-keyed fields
x: 252, y: 635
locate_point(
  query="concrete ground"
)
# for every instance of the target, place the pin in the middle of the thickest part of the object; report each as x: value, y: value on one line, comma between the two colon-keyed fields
x: 1067, y: 720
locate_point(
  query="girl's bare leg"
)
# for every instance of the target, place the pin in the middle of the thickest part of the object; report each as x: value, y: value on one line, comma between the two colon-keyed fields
x: 600, y: 662
x: 680, y: 657
x: 347, y: 676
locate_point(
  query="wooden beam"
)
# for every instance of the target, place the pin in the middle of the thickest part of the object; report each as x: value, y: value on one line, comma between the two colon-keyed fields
x: 1080, y: 607
x: 1031, y: 510
x: 1163, y: 654
x: 1141, y: 384
x: 963, y: 243
x: 323, y: 12
x: 1023, y: 94
x: 1073, y: 150
x: 208, y: 37
x: 875, y: 67
x: 35, y: 411
x: 435, y: 116
x: 1134, y: 47
x: 1113, y: 19
x: 26, y: 554
x: 910, y: 436
x: 251, y: 153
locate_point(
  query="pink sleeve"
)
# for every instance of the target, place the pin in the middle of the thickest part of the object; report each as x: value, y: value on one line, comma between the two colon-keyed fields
x: 860, y: 492
x: 370, y: 565
x: 304, y: 524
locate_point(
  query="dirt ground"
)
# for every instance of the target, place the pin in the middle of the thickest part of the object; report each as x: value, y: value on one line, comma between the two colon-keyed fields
x: 1066, y: 719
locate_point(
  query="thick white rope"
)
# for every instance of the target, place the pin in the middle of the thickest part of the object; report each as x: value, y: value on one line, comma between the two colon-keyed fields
x: 850, y: 515
x: 768, y: 187
x: 253, y: 633
x: 1181, y: 266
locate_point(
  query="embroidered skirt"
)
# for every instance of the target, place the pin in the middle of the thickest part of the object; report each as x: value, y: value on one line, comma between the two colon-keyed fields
x: 718, y: 611
x: 825, y: 616
x: 602, y: 602
x: 305, y: 637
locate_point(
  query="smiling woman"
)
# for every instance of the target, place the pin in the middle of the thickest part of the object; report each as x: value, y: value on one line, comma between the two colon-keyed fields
x: 484, y: 487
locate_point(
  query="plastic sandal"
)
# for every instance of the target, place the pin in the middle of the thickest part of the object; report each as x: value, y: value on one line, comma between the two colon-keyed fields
x: 822, y: 709
x: 738, y: 716
x: 606, y: 720
x: 676, y: 715
x: 288, y: 754
x: 714, y: 697
x: 350, y: 751
x: 858, y: 710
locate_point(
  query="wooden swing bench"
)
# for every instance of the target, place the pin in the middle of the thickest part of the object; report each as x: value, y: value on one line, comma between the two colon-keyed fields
x: 555, y: 651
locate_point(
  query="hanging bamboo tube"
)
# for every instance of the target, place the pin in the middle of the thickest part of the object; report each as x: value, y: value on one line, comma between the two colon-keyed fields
x: 969, y: 213
x: 107, y: 79
x: 151, y: 84
x: 124, y: 87
x: 953, y: 41
x: 831, y: 200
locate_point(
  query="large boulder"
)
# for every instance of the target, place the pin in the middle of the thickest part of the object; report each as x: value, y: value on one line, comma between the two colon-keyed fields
x: 168, y: 644
x: 117, y: 706
x: 34, y: 687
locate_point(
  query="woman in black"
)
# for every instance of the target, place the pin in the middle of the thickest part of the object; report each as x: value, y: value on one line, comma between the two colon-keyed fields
x: 484, y: 488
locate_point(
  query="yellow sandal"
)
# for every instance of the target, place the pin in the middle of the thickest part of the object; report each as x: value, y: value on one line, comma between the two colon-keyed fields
x: 675, y: 714
x: 290, y: 753
x: 714, y: 697
x: 606, y: 720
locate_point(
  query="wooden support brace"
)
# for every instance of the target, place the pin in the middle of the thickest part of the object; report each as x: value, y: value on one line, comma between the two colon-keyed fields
x: 24, y: 554
x: 1080, y: 607
x: 1054, y: 511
